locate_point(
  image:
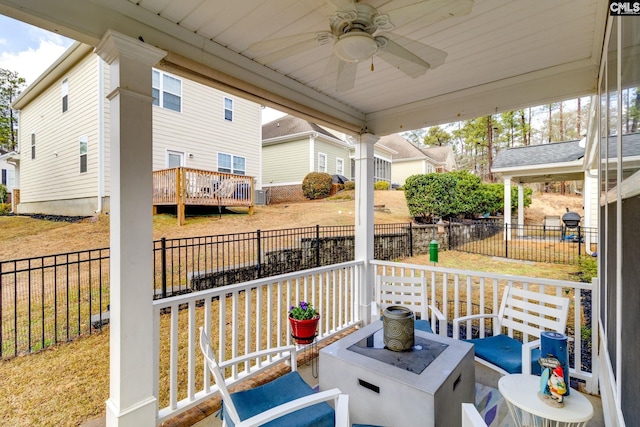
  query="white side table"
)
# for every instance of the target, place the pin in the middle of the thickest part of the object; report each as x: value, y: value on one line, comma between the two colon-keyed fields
x: 527, y: 409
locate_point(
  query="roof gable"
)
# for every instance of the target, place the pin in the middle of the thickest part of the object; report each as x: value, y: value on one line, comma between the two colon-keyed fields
x: 291, y: 125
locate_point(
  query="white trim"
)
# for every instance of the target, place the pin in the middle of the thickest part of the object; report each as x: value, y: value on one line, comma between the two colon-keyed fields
x: 169, y: 152
x: 326, y: 159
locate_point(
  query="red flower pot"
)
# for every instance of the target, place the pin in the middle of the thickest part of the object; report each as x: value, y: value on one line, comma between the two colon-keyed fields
x: 304, y: 331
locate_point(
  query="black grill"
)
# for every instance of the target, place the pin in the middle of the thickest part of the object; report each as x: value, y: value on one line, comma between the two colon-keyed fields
x: 571, y: 219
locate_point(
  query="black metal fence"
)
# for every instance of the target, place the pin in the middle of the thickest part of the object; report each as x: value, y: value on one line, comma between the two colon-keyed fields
x: 195, y: 263
x: 551, y: 244
x: 51, y: 299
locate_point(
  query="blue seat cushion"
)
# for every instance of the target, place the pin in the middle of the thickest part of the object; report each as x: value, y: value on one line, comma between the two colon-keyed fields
x: 421, y: 325
x: 281, y: 390
x: 505, y: 352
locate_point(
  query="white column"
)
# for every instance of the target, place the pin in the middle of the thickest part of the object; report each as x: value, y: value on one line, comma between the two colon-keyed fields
x: 520, y: 209
x: 507, y: 207
x: 364, y: 221
x: 131, y: 401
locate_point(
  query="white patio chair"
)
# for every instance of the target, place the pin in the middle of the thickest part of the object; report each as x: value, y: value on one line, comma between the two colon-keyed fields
x: 285, y: 401
x: 524, y: 311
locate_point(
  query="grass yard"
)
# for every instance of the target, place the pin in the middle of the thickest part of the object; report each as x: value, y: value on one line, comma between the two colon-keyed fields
x: 68, y: 385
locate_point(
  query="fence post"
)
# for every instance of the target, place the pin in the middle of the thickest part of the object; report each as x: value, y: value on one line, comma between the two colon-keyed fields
x: 579, y: 243
x: 259, y: 253
x: 506, y: 240
x: 317, y: 245
x: 410, y: 240
x: 163, y: 257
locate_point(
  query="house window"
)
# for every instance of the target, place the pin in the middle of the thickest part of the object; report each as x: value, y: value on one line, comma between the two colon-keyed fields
x: 83, y: 154
x: 65, y: 95
x: 175, y: 159
x: 231, y: 164
x: 33, y: 146
x: 4, y: 177
x: 228, y: 109
x: 166, y: 91
x: 340, y: 166
x: 322, y: 162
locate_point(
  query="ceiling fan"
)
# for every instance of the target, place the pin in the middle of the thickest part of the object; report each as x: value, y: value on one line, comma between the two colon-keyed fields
x: 358, y: 32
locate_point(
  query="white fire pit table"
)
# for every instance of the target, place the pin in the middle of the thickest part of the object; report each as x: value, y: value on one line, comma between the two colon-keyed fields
x: 424, y: 386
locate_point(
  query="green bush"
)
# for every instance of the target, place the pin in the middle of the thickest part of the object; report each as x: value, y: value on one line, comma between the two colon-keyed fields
x: 316, y: 185
x: 350, y: 185
x: 457, y: 194
x: 5, y: 208
x: 381, y: 185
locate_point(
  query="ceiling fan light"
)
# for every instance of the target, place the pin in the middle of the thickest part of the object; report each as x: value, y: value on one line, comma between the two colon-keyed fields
x: 355, y: 47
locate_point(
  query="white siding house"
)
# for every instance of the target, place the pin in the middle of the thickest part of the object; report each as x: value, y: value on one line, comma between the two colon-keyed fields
x: 410, y: 159
x: 64, y: 145
x: 7, y: 173
x: 292, y: 148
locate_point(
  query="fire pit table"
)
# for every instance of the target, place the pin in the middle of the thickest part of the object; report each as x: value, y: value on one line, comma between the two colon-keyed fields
x: 424, y: 386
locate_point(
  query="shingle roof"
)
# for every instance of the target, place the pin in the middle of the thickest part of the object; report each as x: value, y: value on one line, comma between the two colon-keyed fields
x: 559, y: 152
x: 404, y: 149
x: 290, y: 125
x: 439, y: 154
x: 630, y: 146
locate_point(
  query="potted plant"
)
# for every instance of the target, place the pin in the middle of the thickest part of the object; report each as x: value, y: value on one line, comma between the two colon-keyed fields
x: 304, y: 322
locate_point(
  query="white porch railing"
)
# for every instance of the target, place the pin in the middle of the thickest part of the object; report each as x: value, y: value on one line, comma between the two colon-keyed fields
x: 462, y: 292
x: 253, y: 317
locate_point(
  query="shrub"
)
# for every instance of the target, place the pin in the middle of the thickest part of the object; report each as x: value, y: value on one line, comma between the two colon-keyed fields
x: 5, y: 208
x: 3, y: 193
x: 381, y: 185
x: 456, y: 195
x: 350, y: 185
x: 316, y: 185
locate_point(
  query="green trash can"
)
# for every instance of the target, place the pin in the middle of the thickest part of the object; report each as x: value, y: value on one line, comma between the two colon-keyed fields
x: 433, y: 251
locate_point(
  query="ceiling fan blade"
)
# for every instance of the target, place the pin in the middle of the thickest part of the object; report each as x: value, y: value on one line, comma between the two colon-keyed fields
x: 280, y: 43
x: 346, y: 79
x: 292, y: 50
x: 341, y: 5
x: 338, y: 75
x: 429, y: 54
x: 402, y: 59
x: 429, y: 12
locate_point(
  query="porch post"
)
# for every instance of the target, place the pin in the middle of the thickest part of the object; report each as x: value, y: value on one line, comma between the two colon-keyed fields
x: 364, y: 221
x: 131, y: 401
x: 520, y: 209
x: 507, y: 207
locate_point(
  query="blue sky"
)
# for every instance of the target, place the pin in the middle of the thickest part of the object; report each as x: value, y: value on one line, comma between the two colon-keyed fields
x: 29, y: 51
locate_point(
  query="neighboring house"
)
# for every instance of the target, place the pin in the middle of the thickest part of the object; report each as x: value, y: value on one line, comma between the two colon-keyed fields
x: 64, y: 147
x: 411, y: 159
x: 7, y: 173
x: 292, y: 148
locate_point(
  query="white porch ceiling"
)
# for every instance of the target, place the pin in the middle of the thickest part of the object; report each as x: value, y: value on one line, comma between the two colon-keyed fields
x: 504, y: 55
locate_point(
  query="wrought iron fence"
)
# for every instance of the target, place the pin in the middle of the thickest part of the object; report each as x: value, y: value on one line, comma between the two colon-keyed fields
x: 50, y: 299
x: 538, y: 243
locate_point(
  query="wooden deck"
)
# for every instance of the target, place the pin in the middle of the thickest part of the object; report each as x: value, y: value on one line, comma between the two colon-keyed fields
x: 182, y: 187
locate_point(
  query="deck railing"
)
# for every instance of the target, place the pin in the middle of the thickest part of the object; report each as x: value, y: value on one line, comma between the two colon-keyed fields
x: 459, y: 293
x: 182, y: 186
x: 253, y: 317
